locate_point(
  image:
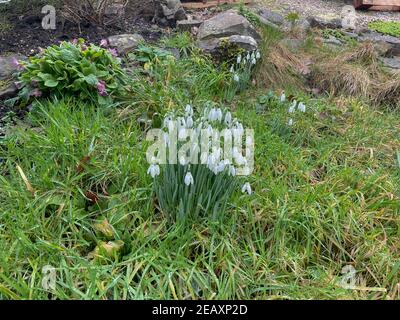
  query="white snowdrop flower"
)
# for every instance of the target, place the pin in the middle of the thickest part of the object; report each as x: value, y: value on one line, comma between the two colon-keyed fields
x: 188, y: 179
x: 248, y: 57
x: 232, y: 171
x: 171, y: 126
x: 302, y: 107
x: 283, y: 97
x: 181, y: 123
x: 189, y: 122
x: 253, y: 62
x: 258, y: 55
x: 292, y: 107
x: 219, y: 115
x: 247, y: 188
x: 228, y: 118
x: 167, y: 120
x: 239, y: 59
x: 217, y: 153
x: 182, y: 134
x: 210, y: 130
x: 182, y: 161
x: 154, y: 170
x: 221, y: 166
x: 188, y: 110
x: 212, y: 116
x: 236, y: 77
x: 166, y: 139
x: 232, y: 69
x: 204, y: 158
x: 252, y: 56
x: 290, y: 122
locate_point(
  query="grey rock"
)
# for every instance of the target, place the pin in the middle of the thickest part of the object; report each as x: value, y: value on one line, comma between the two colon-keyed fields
x: 8, y: 66
x: 332, y: 41
x: 318, y: 22
x: 392, y: 63
x: 187, y: 25
x: 376, y: 37
x: 125, y: 43
x: 169, y: 11
x: 9, y: 91
x: 227, y: 24
x: 212, y: 46
x: 268, y: 23
x: 271, y: 16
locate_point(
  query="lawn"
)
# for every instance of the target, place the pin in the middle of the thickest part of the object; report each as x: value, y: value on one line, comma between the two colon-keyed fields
x: 76, y: 195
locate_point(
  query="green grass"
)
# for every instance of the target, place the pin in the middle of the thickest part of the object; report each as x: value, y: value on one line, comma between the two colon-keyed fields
x: 326, y: 195
x: 387, y: 27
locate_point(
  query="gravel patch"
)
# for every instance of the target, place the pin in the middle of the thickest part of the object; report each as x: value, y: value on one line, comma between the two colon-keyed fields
x: 329, y: 9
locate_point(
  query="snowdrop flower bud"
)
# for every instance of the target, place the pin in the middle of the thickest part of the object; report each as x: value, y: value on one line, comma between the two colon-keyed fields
x: 154, y: 170
x: 290, y: 122
x: 228, y: 118
x: 302, y: 107
x: 212, y: 116
x: 167, y: 120
x: 219, y: 115
x: 236, y: 77
x: 182, y: 134
x: 232, y: 70
x: 253, y: 62
x: 247, y: 188
x: 188, y: 179
x: 189, y: 122
x: 166, y: 139
x: 258, y: 55
x: 182, y: 161
x: 239, y: 59
x: 188, y: 110
x: 283, y: 97
x: 252, y: 57
x: 292, y: 107
x: 232, y: 171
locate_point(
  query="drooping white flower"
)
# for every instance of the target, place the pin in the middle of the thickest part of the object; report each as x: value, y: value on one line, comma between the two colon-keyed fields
x: 219, y: 115
x: 232, y: 171
x: 239, y: 59
x: 232, y: 69
x: 236, y: 77
x: 221, y: 166
x: 302, y: 107
x: 258, y: 55
x: 248, y: 57
x: 154, y: 170
x: 213, y: 114
x: 188, y: 110
x: 283, y: 97
x: 167, y: 120
x: 253, y: 62
x: 290, y: 122
x: 189, y: 122
x: 247, y: 188
x: 166, y: 139
x: 182, y: 134
x: 228, y: 118
x: 292, y: 107
x: 188, y: 179
x: 183, y: 161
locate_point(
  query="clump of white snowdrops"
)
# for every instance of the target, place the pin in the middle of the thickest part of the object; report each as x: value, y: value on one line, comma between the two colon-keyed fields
x: 241, y: 71
x: 293, y: 107
x: 197, y: 176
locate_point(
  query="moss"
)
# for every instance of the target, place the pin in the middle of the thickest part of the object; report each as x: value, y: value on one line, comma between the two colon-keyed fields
x: 391, y: 28
x: 327, y: 33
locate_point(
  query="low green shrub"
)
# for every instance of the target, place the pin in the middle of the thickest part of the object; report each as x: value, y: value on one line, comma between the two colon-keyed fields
x: 88, y: 72
x: 391, y: 28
